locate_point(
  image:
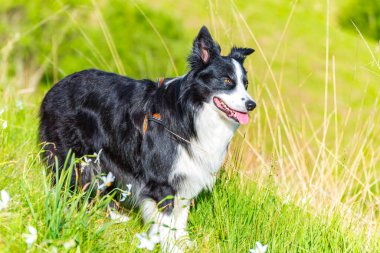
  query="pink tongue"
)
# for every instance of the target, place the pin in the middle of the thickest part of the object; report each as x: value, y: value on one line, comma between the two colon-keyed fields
x: 242, y: 118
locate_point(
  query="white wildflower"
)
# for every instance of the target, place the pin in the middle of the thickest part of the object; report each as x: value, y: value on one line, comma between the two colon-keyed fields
x: 5, y: 124
x: 145, y: 242
x: 97, y: 156
x: 126, y: 193
x: 19, y: 105
x: 85, y: 162
x: 4, y: 199
x: 32, y: 237
x: 286, y: 200
x: 54, y: 249
x: 107, y: 181
x: 259, y: 248
x: 69, y: 244
x: 117, y: 217
x: 2, y: 110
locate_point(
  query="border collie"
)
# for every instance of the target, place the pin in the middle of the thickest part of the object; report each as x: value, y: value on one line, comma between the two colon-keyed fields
x: 165, y: 138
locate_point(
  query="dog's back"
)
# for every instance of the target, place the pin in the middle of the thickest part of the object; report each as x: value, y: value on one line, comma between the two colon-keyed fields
x: 92, y: 110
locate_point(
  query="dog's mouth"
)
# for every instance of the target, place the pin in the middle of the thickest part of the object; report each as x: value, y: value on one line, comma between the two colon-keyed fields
x: 240, y: 117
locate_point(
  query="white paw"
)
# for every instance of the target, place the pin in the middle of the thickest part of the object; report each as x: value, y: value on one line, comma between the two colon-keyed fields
x: 117, y: 217
x: 183, y: 239
x: 186, y: 243
x: 146, y: 242
x: 171, y: 248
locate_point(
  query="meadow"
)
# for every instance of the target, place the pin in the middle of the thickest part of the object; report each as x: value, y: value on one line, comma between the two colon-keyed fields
x: 303, y: 176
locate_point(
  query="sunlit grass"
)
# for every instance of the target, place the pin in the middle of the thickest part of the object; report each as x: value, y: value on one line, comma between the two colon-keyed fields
x: 306, y: 177
x: 329, y: 162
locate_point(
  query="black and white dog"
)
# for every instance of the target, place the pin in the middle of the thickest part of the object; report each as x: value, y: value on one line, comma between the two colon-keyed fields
x: 166, y: 139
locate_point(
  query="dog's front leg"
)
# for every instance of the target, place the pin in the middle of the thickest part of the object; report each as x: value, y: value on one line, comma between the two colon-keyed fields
x: 162, y: 225
x: 168, y: 226
x: 181, y: 214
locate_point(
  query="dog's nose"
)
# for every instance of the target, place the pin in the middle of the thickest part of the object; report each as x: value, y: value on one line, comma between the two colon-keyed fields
x: 250, y: 105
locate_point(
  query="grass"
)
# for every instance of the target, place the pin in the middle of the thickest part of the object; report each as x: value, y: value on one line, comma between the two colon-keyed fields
x: 305, y: 176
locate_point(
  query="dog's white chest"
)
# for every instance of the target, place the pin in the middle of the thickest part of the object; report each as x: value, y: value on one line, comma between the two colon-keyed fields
x: 198, y: 167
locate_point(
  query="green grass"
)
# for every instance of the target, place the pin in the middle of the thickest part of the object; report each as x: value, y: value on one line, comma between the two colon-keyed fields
x: 305, y: 176
x: 244, y: 213
x: 366, y: 17
x: 232, y: 218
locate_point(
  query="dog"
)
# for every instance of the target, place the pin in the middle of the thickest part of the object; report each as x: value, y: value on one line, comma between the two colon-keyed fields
x: 165, y: 138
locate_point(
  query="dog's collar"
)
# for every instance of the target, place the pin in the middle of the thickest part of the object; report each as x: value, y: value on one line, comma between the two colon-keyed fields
x: 156, y: 118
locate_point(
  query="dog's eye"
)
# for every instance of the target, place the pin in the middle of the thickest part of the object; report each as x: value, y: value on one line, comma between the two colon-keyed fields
x: 228, y: 81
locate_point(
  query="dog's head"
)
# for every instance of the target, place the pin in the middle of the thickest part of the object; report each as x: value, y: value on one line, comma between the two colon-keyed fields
x: 221, y: 80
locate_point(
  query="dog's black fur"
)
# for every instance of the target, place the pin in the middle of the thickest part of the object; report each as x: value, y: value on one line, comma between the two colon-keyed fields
x: 94, y: 110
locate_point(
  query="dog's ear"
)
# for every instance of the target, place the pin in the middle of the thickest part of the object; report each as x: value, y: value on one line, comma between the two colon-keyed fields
x: 205, y: 49
x: 239, y: 53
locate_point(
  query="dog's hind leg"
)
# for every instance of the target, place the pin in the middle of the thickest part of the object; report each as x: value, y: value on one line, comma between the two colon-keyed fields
x: 115, y: 214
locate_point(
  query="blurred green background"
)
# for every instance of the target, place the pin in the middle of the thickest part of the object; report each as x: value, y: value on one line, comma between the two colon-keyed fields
x: 66, y: 36
x: 42, y: 41
x: 363, y: 14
